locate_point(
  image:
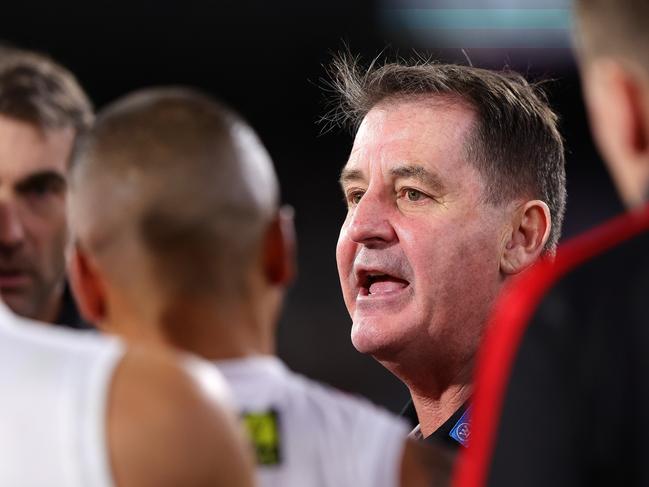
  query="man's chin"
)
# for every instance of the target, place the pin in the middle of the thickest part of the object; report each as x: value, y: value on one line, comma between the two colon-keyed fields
x: 370, y: 340
x: 17, y: 302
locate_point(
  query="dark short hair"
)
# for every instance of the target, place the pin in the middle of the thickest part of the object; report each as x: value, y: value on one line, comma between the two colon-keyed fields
x: 35, y: 89
x: 199, y: 199
x: 515, y: 143
x: 617, y: 27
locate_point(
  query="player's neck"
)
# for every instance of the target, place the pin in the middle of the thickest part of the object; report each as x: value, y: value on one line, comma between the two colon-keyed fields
x: 216, y: 332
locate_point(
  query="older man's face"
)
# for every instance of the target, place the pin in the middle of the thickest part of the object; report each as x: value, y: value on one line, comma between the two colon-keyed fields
x: 419, y: 252
x: 32, y: 216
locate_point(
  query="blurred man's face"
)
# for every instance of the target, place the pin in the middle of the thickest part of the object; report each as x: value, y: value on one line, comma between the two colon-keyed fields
x: 32, y: 216
x: 419, y: 252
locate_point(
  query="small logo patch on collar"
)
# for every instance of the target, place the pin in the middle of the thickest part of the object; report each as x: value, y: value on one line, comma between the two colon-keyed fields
x: 462, y: 429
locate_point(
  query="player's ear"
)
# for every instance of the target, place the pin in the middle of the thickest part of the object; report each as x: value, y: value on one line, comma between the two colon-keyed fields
x: 529, y: 233
x: 618, y: 109
x: 86, y: 286
x: 280, y: 248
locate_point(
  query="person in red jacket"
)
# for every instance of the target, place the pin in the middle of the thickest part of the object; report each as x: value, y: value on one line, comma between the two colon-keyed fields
x: 562, y: 388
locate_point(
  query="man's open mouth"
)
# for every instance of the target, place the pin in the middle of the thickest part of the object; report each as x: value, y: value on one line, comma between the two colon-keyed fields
x: 378, y: 284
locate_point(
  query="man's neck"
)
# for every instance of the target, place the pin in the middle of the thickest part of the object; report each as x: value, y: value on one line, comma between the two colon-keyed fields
x: 433, y: 412
x: 50, y: 311
x: 437, y: 389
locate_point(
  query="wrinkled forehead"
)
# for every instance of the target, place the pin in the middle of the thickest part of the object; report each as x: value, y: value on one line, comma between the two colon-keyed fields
x: 27, y: 149
x: 424, y: 131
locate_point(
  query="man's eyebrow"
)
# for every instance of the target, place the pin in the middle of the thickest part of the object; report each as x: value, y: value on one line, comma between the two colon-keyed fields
x: 41, y: 178
x: 421, y: 174
x: 350, y: 175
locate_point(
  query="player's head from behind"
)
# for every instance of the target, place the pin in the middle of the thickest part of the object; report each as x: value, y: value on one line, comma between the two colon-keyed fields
x: 455, y: 182
x: 42, y: 110
x: 612, y: 43
x: 174, y: 203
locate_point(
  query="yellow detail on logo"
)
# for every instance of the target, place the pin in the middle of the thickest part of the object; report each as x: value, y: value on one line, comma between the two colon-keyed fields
x: 263, y: 429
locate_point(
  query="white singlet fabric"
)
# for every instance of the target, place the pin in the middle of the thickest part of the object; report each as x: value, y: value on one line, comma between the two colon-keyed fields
x: 310, y: 435
x: 53, y: 391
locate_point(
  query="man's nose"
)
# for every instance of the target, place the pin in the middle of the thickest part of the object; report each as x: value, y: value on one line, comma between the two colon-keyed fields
x: 12, y: 231
x: 370, y: 223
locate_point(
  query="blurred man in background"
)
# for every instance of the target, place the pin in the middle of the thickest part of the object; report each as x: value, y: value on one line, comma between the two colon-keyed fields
x: 455, y: 183
x: 83, y: 410
x: 42, y: 111
x: 194, y: 252
x: 563, y: 387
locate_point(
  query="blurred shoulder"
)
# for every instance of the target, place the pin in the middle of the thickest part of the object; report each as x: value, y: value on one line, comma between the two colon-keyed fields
x: 170, y: 423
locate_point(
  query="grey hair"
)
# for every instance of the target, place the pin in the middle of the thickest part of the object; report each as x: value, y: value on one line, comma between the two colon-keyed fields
x: 37, y: 90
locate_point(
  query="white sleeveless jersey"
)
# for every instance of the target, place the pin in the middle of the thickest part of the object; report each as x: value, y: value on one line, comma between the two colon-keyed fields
x: 53, y: 391
x: 309, y: 435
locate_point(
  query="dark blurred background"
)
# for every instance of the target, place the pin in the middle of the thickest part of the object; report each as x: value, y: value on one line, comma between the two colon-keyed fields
x: 266, y: 59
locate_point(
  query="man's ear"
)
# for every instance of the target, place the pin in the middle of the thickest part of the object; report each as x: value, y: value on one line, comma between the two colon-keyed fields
x: 279, y: 251
x: 87, y: 286
x: 529, y: 233
x: 619, y: 116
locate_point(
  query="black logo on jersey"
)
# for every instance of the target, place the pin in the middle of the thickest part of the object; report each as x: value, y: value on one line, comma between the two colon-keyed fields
x: 263, y: 429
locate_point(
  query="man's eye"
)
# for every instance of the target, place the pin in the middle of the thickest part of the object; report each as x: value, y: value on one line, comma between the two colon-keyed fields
x: 354, y: 197
x: 42, y: 189
x: 413, y: 195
